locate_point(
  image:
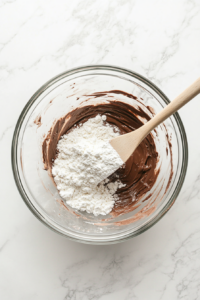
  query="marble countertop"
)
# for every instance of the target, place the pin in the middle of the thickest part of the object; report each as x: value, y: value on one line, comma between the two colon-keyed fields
x: 40, y: 39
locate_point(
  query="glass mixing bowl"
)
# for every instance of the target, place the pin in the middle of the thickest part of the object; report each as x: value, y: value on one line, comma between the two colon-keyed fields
x: 55, y: 99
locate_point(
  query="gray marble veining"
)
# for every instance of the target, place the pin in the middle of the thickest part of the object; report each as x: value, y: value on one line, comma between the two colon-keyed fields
x: 38, y: 40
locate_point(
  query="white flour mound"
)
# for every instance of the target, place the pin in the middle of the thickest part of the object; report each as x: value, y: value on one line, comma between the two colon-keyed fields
x: 85, y: 158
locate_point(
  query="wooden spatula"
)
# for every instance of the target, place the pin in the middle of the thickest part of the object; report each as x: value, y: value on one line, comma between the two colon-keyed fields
x: 126, y: 144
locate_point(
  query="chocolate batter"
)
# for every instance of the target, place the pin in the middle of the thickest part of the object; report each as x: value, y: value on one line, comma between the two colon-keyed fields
x: 139, y: 173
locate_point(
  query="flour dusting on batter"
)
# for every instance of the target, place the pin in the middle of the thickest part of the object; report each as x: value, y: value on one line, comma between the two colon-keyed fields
x: 85, y: 158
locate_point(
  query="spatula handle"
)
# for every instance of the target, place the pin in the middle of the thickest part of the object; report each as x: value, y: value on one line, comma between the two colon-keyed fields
x: 176, y: 104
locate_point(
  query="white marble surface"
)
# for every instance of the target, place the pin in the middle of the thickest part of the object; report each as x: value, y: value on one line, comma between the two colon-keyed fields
x: 39, y: 39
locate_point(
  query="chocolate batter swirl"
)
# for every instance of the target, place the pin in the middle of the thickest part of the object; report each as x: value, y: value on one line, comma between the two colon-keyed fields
x: 139, y: 173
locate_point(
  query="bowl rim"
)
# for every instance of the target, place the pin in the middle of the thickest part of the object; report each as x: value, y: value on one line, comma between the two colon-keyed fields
x: 15, y: 144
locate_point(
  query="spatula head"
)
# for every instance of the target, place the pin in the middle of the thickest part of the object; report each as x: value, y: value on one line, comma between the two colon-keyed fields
x: 126, y: 144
